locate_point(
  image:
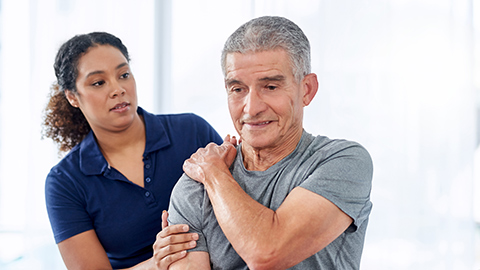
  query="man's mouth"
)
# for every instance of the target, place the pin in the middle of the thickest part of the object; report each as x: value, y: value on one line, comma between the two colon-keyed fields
x: 261, y: 123
x: 257, y: 123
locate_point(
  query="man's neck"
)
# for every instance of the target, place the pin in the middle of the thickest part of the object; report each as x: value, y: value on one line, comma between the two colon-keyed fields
x: 255, y: 159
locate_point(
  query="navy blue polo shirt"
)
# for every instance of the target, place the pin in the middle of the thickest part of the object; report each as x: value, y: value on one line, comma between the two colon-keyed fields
x: 83, y: 192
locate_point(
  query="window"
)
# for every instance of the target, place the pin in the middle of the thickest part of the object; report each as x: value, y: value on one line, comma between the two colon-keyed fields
x: 27, y: 54
x: 397, y: 76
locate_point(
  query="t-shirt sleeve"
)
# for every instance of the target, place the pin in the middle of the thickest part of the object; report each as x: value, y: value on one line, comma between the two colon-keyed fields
x: 344, y: 177
x: 186, y: 207
x: 66, y: 210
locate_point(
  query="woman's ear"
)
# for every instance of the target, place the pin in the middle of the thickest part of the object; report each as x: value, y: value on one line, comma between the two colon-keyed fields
x: 71, y: 98
x: 310, y: 87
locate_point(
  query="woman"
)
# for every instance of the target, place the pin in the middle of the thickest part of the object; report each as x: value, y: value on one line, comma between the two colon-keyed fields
x: 106, y: 196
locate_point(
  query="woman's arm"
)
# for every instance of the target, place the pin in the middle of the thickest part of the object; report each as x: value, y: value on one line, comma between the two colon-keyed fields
x: 84, y: 250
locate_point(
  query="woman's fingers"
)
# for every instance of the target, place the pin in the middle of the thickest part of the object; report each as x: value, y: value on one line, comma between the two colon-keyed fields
x: 173, y: 229
x: 162, y: 251
x: 165, y: 262
x: 164, y: 219
x: 172, y: 248
x: 175, y: 235
x: 172, y: 243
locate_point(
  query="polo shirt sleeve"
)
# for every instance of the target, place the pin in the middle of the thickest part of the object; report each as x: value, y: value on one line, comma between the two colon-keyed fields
x: 65, y: 208
x: 344, y: 177
x: 186, y: 207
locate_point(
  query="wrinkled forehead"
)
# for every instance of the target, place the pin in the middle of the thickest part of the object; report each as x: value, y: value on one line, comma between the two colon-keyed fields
x: 249, y: 63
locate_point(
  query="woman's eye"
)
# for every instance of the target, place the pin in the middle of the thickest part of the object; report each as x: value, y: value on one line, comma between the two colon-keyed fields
x: 125, y: 75
x: 99, y: 83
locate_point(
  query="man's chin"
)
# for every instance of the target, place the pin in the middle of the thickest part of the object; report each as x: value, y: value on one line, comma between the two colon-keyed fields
x: 256, y: 143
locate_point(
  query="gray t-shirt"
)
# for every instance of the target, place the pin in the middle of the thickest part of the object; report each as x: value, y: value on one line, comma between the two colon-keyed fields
x: 339, y: 170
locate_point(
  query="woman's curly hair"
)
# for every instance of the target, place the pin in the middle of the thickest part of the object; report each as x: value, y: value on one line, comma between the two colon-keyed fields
x: 63, y: 123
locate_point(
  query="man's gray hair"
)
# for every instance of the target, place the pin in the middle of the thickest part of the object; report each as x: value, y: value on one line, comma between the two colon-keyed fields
x: 270, y: 33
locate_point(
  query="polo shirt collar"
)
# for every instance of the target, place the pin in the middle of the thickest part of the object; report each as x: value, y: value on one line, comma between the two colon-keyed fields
x: 92, y: 161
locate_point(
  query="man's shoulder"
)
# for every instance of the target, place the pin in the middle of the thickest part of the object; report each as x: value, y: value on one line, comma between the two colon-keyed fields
x: 187, y: 187
x: 187, y: 203
x: 324, y: 144
x: 322, y: 150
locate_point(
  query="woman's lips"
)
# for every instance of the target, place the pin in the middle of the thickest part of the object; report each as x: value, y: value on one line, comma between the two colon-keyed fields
x: 120, y: 107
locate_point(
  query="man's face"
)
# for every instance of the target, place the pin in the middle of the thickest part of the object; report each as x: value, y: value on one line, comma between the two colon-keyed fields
x: 264, y: 99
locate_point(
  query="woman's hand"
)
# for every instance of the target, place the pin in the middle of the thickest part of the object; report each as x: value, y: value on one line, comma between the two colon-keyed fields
x: 172, y: 243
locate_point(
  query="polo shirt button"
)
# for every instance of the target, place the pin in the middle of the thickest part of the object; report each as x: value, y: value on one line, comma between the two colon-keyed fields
x: 147, y: 166
x: 148, y: 179
x: 147, y: 194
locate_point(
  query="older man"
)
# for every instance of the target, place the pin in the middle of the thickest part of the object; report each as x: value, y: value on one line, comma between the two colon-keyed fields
x: 282, y: 198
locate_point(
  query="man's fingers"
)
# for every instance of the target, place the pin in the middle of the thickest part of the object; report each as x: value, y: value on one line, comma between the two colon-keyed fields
x: 193, y: 170
x: 231, y: 139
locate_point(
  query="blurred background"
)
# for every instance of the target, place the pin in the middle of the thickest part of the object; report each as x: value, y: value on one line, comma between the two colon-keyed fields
x: 402, y: 77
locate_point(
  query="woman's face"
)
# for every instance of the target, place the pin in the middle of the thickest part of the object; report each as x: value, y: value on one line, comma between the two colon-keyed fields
x: 106, y: 91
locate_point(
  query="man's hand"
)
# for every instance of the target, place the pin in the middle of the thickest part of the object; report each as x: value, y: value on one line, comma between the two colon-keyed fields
x: 211, y: 158
x: 232, y: 139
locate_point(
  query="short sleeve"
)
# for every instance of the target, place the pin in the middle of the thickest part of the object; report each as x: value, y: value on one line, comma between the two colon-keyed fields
x: 344, y: 177
x: 65, y: 208
x: 186, y: 207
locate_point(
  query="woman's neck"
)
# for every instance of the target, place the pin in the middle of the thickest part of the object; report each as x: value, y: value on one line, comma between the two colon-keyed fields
x: 119, y: 141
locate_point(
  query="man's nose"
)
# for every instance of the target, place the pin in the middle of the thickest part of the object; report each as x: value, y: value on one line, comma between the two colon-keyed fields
x: 254, y: 103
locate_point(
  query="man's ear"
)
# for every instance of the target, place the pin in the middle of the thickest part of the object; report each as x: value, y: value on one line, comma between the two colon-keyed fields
x: 71, y: 98
x: 310, y: 87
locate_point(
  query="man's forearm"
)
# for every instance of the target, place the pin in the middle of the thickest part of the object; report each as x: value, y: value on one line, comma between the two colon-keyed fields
x: 196, y: 260
x: 248, y: 225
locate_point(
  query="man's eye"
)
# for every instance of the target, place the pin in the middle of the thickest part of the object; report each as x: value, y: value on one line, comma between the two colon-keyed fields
x: 271, y: 87
x: 237, y: 90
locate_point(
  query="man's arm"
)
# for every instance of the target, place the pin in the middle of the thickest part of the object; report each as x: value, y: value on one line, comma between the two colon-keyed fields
x: 304, y: 224
x: 196, y: 260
